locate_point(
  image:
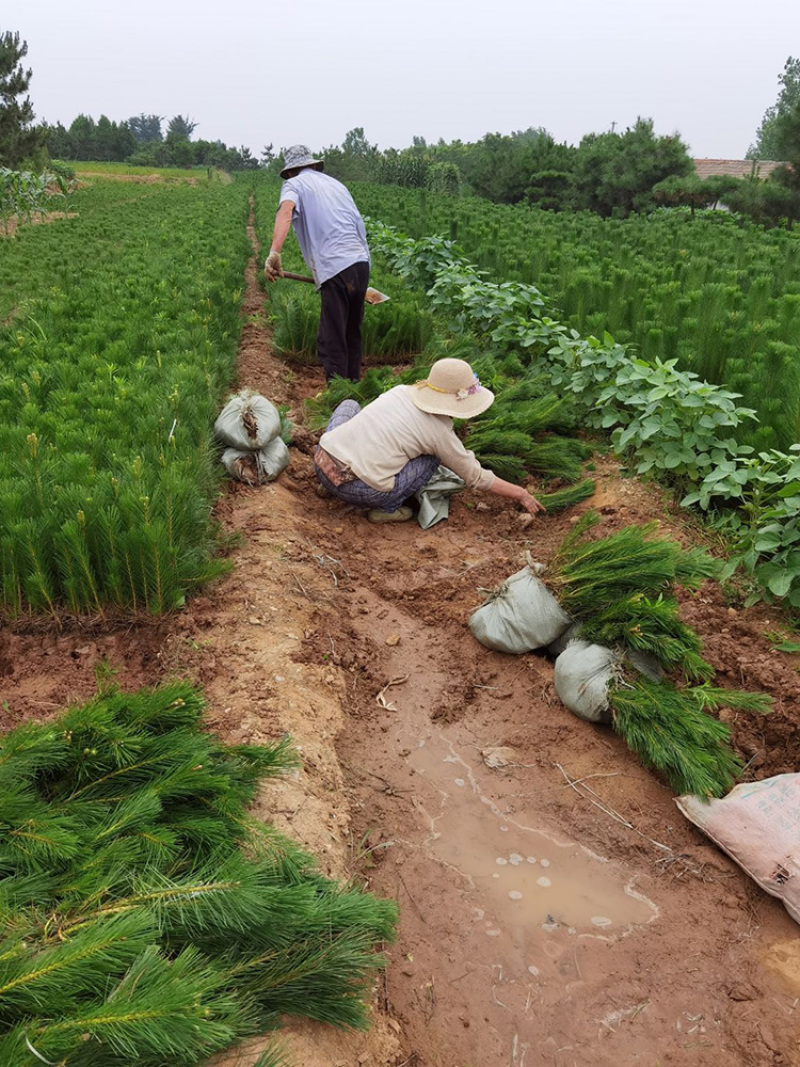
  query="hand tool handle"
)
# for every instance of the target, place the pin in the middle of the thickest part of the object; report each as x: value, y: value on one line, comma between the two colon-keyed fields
x: 296, y: 277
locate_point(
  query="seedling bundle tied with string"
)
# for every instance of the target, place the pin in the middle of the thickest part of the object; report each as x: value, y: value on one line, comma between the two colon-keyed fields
x: 146, y: 917
x: 607, y: 609
x: 620, y: 590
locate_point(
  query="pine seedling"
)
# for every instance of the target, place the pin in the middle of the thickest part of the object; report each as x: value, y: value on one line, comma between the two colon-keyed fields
x: 376, y: 380
x: 561, y: 499
x: 590, y: 576
x: 507, y: 467
x: 653, y: 626
x: 557, y: 457
x: 144, y: 918
x: 707, y: 697
x: 670, y: 733
x: 56, y: 978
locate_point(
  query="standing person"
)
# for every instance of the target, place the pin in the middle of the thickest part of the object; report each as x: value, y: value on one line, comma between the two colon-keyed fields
x: 378, y: 457
x: 333, y: 240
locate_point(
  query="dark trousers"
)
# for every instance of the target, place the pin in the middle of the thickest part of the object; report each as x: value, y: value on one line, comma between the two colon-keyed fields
x: 341, y: 315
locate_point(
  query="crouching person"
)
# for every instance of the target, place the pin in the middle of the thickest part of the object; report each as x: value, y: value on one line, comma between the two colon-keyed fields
x: 378, y: 457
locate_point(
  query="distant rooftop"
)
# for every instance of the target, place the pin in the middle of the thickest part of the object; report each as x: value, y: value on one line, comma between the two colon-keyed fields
x: 734, y: 168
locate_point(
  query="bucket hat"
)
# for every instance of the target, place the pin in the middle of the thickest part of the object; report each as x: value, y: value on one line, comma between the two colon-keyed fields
x: 299, y: 156
x: 452, y: 388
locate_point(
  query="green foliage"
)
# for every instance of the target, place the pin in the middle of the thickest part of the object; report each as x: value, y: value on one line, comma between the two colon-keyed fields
x: 592, y: 577
x: 120, y: 331
x: 444, y: 178
x: 773, y: 202
x: 146, y: 918
x: 652, y: 625
x: 693, y: 192
x: 671, y: 421
x: 139, y: 141
x: 24, y: 195
x: 669, y: 731
x: 768, y: 136
x: 713, y: 291
x: 295, y: 322
x: 375, y: 380
x: 615, y: 173
x: 566, y: 497
x: 19, y: 140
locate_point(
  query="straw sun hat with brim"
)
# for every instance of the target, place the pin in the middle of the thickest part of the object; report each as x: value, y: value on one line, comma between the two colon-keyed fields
x: 299, y: 156
x: 452, y: 389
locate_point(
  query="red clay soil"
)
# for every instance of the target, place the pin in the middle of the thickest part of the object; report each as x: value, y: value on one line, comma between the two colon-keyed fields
x: 556, y: 908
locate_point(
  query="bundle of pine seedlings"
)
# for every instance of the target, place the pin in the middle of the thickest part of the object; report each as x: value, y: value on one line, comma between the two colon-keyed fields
x: 620, y: 590
x: 526, y: 431
x: 145, y: 916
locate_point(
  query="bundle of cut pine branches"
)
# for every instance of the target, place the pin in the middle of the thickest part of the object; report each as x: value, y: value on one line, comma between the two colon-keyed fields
x: 145, y: 916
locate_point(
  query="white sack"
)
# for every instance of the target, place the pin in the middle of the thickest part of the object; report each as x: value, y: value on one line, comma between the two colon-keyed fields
x: 521, y: 615
x: 248, y: 422
x: 758, y: 825
x: 583, y: 674
x: 256, y: 468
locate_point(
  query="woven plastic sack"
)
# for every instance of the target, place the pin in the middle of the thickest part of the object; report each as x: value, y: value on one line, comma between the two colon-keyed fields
x: 555, y: 648
x: 256, y: 468
x: 585, y: 670
x: 434, y: 496
x: 758, y: 825
x: 521, y: 615
x: 248, y: 422
x: 582, y: 676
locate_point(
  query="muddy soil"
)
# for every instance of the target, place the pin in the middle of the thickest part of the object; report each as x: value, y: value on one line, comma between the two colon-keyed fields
x: 556, y: 907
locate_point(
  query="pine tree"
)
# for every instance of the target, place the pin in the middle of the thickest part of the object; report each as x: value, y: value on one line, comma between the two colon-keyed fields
x: 768, y: 141
x: 18, y: 139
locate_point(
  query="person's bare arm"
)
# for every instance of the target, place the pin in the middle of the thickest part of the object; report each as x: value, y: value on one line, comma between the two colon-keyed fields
x: 516, y: 492
x: 283, y: 220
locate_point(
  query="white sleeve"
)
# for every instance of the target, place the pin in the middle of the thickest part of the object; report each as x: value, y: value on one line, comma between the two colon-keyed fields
x: 290, y: 194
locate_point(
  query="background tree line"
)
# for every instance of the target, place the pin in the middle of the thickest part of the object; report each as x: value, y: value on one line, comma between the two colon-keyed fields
x: 141, y: 141
x: 609, y: 173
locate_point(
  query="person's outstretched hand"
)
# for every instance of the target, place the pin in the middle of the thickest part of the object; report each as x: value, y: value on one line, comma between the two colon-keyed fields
x: 531, y: 504
x: 273, y: 268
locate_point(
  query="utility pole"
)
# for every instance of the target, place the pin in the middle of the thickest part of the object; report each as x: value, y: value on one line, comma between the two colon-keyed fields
x: 613, y: 126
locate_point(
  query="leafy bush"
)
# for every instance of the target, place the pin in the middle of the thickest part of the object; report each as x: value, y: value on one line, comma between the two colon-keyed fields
x: 25, y: 194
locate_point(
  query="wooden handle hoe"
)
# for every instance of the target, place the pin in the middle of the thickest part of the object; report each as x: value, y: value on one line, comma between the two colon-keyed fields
x: 373, y: 296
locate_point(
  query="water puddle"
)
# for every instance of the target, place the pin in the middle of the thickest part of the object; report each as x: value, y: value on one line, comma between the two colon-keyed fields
x: 525, y: 880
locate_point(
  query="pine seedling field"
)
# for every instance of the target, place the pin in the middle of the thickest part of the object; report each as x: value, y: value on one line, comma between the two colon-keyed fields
x: 713, y: 290
x: 118, y: 333
x: 145, y: 916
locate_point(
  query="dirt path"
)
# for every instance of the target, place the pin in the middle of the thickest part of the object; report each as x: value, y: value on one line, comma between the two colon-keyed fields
x: 541, y: 923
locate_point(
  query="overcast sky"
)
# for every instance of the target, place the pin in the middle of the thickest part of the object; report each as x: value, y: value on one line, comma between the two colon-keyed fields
x: 252, y: 73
